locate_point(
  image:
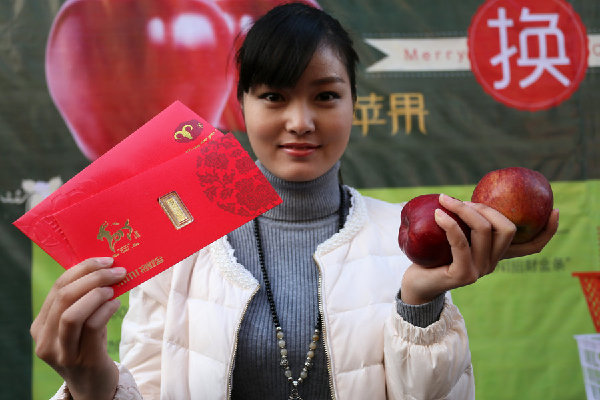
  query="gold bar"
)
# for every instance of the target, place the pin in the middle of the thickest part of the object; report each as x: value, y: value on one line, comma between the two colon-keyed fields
x: 175, y: 209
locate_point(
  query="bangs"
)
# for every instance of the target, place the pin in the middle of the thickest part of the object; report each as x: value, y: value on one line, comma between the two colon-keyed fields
x: 276, y: 53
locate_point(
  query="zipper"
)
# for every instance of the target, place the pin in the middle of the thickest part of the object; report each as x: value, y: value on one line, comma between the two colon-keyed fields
x: 324, y: 329
x: 235, y: 344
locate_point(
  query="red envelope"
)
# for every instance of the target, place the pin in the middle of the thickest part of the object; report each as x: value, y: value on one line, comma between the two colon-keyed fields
x: 169, y: 189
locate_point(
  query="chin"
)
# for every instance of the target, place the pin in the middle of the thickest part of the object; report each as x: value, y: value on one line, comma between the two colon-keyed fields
x: 299, y: 174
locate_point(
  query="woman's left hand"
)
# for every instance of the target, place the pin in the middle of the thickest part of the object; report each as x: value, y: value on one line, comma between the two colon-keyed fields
x: 491, y: 236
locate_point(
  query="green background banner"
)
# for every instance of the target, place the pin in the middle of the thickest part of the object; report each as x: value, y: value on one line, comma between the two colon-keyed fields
x: 521, y: 319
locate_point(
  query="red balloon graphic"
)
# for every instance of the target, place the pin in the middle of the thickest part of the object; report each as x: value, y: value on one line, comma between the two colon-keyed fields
x: 111, y: 65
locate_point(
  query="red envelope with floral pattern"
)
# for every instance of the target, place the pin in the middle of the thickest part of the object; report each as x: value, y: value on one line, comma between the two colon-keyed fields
x: 169, y: 189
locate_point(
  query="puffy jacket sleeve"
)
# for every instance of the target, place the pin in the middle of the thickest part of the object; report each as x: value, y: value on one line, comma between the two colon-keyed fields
x: 142, y: 333
x: 428, y: 363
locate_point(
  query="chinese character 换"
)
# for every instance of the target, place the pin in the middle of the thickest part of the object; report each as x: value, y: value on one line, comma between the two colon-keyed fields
x: 539, y: 58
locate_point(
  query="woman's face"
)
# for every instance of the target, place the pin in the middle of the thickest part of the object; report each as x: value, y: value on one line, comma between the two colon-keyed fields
x: 299, y: 133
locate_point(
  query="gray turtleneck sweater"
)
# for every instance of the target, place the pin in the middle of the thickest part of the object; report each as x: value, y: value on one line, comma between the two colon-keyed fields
x: 290, y: 234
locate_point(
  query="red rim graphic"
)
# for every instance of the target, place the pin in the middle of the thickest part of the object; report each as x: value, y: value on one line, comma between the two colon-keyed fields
x: 528, y: 54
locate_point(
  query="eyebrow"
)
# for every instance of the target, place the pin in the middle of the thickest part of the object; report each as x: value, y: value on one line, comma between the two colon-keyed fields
x: 327, y: 80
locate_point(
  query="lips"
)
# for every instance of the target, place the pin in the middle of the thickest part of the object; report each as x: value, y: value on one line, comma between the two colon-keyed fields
x: 299, y: 149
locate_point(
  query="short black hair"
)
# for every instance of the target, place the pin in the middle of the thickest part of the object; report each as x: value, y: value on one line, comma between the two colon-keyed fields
x: 280, y: 44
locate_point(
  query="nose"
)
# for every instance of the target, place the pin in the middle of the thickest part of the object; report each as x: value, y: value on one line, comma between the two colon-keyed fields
x: 300, y: 119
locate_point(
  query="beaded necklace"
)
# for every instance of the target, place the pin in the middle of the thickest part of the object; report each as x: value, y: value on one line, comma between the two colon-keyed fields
x: 294, y: 383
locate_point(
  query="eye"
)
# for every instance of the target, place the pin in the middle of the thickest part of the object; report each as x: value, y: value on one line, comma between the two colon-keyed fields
x: 328, y: 96
x: 271, y: 96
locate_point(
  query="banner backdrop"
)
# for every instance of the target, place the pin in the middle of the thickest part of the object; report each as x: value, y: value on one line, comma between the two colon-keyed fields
x: 447, y: 91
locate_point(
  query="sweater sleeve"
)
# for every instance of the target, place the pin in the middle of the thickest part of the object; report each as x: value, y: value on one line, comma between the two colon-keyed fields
x: 428, y: 363
x: 420, y: 315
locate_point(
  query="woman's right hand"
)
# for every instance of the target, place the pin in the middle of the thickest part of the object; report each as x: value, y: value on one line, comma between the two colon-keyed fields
x: 70, y: 330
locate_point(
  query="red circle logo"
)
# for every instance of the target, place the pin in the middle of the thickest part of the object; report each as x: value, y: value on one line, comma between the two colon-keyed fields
x: 528, y: 54
x: 188, y: 131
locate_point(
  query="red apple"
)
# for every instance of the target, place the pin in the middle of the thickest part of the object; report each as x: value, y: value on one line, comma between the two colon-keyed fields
x: 111, y: 65
x: 420, y: 237
x: 522, y: 195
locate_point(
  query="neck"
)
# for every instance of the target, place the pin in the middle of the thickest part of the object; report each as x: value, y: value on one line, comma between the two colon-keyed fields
x: 305, y: 201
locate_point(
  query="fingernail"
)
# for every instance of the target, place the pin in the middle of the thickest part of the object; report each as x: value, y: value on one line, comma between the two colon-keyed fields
x: 104, y: 261
x: 439, y: 213
x: 108, y: 291
x: 118, y: 271
x: 449, y: 199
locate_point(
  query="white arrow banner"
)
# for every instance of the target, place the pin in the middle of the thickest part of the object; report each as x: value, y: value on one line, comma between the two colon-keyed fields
x: 439, y: 54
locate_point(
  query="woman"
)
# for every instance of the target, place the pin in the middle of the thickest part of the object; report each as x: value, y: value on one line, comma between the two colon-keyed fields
x: 304, y: 301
